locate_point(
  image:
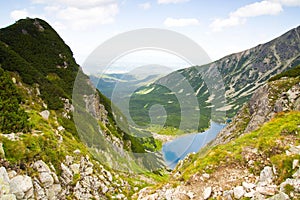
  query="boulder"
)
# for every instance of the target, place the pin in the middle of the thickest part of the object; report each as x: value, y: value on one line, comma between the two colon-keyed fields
x: 207, y: 192
x: 45, y: 114
x: 4, y: 175
x: 267, y: 190
x: 21, y: 186
x: 248, y: 186
x: 238, y: 192
x: 297, y: 174
x: 8, y: 197
x: 4, y: 181
x: 66, y: 174
x: 295, y: 163
x: 44, y: 173
x: 227, y: 195
x: 46, y: 179
x: 280, y: 196
x: 266, y: 176
x: 293, y: 182
x: 2, y: 153
x: 75, y: 168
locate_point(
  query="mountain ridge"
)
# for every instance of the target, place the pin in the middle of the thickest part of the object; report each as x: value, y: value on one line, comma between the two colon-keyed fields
x: 241, y: 74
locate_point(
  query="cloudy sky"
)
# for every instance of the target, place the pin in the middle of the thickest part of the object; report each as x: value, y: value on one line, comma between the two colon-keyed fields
x: 220, y: 27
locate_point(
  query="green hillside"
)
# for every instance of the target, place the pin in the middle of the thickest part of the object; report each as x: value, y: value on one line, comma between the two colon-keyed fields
x: 217, y: 96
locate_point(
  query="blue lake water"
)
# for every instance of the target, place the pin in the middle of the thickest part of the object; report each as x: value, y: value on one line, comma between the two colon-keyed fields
x: 178, y: 148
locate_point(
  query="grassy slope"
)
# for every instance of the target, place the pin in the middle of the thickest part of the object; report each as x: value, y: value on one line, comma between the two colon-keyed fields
x: 269, y: 140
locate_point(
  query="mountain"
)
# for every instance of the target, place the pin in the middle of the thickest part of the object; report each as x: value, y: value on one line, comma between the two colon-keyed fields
x: 217, y: 90
x: 255, y: 157
x: 60, y: 137
x: 124, y: 83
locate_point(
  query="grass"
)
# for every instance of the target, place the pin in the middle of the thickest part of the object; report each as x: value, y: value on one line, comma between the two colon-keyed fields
x: 165, y: 130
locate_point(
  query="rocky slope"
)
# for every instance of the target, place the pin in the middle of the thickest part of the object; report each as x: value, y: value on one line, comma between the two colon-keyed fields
x: 44, y: 153
x: 242, y: 73
x: 255, y: 157
x: 272, y: 98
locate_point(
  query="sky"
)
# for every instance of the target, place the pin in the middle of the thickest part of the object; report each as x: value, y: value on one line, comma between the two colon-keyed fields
x: 219, y: 27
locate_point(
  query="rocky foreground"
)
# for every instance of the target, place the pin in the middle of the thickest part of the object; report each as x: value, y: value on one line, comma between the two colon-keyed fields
x: 78, y: 180
x: 233, y: 183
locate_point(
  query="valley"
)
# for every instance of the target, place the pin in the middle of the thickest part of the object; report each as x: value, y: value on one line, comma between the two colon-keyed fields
x: 67, y: 135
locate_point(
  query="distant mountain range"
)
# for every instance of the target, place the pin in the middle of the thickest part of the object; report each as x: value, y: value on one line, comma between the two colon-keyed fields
x: 241, y: 73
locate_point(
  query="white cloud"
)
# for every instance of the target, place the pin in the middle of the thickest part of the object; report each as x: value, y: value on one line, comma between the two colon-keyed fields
x: 219, y: 24
x: 77, y: 3
x: 181, y: 22
x: 19, y: 14
x: 240, y: 16
x: 258, y: 9
x: 78, y: 14
x: 171, y: 1
x: 145, y: 6
x: 82, y: 18
x: 288, y: 2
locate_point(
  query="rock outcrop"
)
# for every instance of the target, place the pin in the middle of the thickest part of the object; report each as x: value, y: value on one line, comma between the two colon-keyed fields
x: 251, y: 186
x: 266, y: 102
x: 78, y: 179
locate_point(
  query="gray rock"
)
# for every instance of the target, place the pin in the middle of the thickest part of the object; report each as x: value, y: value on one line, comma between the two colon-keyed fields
x: 238, y: 192
x: 297, y: 174
x: 293, y: 182
x: 258, y: 196
x: 19, y: 185
x: 45, y: 114
x: 39, y: 191
x: 60, y: 128
x: 4, y: 181
x: 250, y: 194
x: 12, y: 174
x: 53, y: 191
x: 69, y: 160
x: 267, y: 190
x: 295, y: 163
x: 75, y: 168
x: 120, y: 196
x: 104, y: 188
x: 295, y: 150
x: 2, y: 153
x: 88, y: 171
x: 77, y: 151
x: 44, y: 173
x: 4, y: 175
x: 205, y: 176
x: 8, y: 197
x: 266, y: 176
x: 46, y: 179
x: 248, y: 186
x: 228, y: 194
x: 280, y: 196
x: 66, y: 174
x: 207, y: 192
